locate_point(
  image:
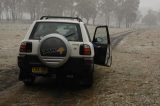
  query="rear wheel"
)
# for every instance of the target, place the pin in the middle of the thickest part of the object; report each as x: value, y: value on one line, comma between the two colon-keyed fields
x: 29, y: 81
x: 88, y: 78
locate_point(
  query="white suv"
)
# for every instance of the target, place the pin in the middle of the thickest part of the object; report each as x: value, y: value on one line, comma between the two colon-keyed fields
x: 62, y: 47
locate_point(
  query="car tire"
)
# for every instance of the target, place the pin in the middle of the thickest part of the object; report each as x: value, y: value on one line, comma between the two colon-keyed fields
x: 88, y: 79
x: 29, y: 81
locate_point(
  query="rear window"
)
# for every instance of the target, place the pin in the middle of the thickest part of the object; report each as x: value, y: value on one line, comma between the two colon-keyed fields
x: 70, y: 31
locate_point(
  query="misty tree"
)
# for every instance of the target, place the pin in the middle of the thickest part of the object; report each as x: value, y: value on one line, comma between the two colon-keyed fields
x: 60, y: 7
x: 126, y: 11
x: 158, y: 17
x: 6, y: 9
x: 130, y: 11
x: 34, y: 8
x: 86, y: 9
x: 139, y: 16
x: 119, y: 11
x: 96, y: 10
x: 1, y: 9
x: 70, y: 8
x: 19, y: 9
x: 38, y: 8
x: 11, y: 8
x: 150, y: 19
x: 108, y: 7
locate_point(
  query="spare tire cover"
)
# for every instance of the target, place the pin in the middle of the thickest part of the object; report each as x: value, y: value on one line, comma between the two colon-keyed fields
x: 54, y: 50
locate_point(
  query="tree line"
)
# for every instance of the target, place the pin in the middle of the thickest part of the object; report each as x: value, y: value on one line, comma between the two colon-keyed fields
x: 123, y: 12
x: 152, y: 18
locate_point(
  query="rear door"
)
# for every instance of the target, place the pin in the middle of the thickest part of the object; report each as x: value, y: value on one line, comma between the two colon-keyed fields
x: 102, y: 46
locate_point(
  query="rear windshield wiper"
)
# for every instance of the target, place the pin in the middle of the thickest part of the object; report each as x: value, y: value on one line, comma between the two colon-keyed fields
x: 70, y: 34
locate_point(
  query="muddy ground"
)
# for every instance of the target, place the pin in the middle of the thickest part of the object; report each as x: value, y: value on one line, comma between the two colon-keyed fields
x: 133, y: 79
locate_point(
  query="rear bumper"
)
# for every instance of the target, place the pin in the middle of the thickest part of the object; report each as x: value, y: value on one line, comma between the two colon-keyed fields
x: 73, y: 65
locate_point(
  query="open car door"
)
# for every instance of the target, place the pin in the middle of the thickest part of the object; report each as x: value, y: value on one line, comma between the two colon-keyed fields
x: 102, y: 46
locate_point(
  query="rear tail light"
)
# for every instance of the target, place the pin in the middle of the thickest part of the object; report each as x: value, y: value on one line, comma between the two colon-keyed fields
x: 85, y: 50
x: 26, y: 47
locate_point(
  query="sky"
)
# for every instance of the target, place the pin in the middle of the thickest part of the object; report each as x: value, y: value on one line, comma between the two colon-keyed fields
x: 155, y: 4
x: 145, y: 5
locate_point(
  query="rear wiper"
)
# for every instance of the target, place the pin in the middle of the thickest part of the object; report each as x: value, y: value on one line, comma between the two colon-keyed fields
x: 70, y: 34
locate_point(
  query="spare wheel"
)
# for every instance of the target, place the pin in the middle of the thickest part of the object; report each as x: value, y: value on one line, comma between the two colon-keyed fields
x: 54, y: 50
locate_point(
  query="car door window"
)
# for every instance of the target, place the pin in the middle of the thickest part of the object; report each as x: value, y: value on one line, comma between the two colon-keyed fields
x: 100, y: 36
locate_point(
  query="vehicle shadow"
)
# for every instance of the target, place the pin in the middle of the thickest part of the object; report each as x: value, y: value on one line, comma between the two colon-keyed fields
x: 59, y: 92
x: 60, y: 84
x: 67, y: 91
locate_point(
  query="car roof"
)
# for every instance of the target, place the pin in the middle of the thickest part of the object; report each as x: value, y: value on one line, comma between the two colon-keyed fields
x: 59, y: 20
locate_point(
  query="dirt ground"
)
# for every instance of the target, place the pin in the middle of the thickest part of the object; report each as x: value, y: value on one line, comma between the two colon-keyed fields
x: 133, y: 79
x: 10, y: 38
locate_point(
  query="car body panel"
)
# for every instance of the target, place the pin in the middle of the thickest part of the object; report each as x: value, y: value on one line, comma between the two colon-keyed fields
x: 74, y: 45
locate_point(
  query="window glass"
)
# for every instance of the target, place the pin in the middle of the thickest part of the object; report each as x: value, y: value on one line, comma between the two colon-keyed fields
x: 101, y: 35
x: 70, y: 31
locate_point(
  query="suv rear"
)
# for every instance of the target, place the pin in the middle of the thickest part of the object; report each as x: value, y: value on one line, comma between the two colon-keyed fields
x: 62, y: 47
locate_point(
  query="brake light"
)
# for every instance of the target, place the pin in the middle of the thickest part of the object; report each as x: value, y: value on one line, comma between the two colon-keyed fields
x: 85, y: 50
x: 26, y: 47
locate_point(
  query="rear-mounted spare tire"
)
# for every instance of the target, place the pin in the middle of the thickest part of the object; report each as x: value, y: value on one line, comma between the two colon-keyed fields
x: 54, y: 50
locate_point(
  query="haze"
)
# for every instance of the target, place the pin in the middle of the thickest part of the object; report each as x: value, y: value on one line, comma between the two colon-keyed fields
x: 134, y: 30
x: 150, y: 4
x: 115, y: 13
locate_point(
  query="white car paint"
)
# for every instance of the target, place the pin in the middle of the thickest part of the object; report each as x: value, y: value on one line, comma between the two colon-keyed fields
x: 74, y: 45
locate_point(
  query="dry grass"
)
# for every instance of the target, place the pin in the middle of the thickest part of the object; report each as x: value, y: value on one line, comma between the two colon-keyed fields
x: 10, y: 38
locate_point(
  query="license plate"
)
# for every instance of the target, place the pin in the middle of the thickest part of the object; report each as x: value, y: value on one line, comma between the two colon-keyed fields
x: 39, y: 70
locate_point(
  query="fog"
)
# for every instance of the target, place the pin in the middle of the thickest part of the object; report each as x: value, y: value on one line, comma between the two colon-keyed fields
x: 146, y: 5
x: 114, y: 13
x: 150, y: 4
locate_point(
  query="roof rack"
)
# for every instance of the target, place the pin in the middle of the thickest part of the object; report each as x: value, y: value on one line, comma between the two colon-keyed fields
x: 59, y: 17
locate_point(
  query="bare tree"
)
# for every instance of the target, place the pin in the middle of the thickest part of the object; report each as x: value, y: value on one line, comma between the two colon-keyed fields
x: 124, y: 10
x: 31, y: 7
x: 130, y: 11
x: 70, y: 8
x: 55, y: 8
x: 108, y: 7
x: 119, y: 11
x: 86, y: 9
x: 158, y: 17
x: 1, y: 9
